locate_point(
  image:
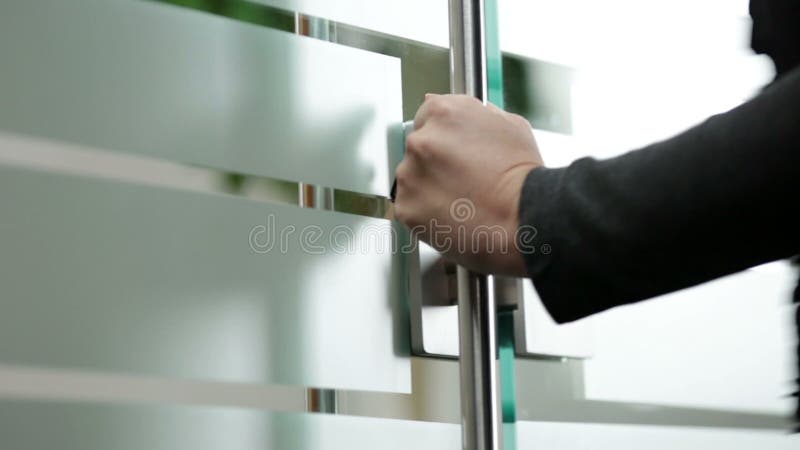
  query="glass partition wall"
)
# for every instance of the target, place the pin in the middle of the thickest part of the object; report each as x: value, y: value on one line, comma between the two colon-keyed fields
x: 197, y: 248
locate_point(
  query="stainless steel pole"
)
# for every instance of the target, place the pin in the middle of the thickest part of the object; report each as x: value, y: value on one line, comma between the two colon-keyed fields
x: 477, y: 364
x: 476, y: 301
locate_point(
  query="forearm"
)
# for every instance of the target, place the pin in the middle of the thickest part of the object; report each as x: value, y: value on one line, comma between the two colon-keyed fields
x: 714, y: 200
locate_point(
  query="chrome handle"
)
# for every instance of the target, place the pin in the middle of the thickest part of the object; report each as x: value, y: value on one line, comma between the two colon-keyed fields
x: 477, y: 318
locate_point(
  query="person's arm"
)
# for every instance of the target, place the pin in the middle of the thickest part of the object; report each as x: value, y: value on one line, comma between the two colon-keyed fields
x: 717, y: 199
x: 714, y: 200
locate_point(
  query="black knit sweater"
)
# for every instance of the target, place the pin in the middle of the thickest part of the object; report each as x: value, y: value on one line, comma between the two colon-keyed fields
x: 712, y: 201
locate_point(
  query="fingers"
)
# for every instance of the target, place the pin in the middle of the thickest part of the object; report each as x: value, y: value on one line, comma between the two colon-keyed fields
x: 423, y: 113
x: 441, y: 105
x: 519, y: 120
x: 406, y: 175
x: 431, y: 106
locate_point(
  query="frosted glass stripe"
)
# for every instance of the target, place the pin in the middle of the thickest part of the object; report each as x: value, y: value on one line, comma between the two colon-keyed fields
x: 48, y: 426
x: 170, y: 82
x: 100, y: 275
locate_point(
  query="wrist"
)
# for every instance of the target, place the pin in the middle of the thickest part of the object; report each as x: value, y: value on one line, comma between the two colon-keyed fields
x: 511, y: 262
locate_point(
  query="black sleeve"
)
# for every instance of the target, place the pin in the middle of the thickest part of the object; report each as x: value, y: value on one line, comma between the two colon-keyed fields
x: 714, y: 200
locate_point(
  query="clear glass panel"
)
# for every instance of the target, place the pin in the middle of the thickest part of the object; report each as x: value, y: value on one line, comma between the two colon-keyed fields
x: 588, y: 64
x: 553, y: 390
x: 679, y: 357
x: 538, y: 334
x: 620, y: 76
x: 199, y: 89
x: 116, y: 277
x: 47, y: 426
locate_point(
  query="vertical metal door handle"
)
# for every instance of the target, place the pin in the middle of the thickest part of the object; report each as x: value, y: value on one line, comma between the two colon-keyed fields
x: 476, y: 301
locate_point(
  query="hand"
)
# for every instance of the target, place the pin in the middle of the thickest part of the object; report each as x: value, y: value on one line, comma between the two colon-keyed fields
x: 458, y: 187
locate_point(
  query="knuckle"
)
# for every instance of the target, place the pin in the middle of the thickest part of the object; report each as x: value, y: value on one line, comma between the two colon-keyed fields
x: 417, y: 144
x: 521, y: 121
x: 439, y: 107
x: 401, y: 174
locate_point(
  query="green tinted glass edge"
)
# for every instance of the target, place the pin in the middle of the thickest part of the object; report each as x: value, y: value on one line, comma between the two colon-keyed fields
x: 505, y: 319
